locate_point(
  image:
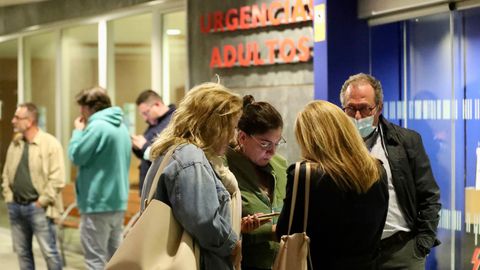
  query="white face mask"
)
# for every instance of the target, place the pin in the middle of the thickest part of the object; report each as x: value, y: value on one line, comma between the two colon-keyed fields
x: 365, y: 125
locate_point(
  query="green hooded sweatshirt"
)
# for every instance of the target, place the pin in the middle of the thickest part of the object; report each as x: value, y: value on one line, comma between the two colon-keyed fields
x: 102, y: 153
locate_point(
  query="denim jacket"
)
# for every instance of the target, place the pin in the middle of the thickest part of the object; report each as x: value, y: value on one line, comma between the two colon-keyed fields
x: 199, y: 202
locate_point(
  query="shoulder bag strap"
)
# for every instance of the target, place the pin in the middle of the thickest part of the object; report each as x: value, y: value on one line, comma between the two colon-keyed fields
x: 307, y: 196
x: 294, y: 195
x: 163, y: 164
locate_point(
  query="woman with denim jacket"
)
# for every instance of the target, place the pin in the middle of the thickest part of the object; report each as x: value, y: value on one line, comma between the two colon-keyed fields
x: 202, y: 126
x: 261, y: 176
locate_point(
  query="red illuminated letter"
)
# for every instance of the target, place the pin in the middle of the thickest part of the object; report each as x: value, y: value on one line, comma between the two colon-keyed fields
x: 215, y: 60
x: 271, y: 44
x: 310, y: 9
x: 274, y: 6
x: 218, y: 21
x: 231, y: 19
x: 203, y: 28
x: 299, y: 11
x: 259, y: 16
x: 245, y: 17
x: 304, y: 55
x: 287, y: 58
x: 229, y: 56
x: 257, y: 60
x: 244, y: 56
x: 286, y: 9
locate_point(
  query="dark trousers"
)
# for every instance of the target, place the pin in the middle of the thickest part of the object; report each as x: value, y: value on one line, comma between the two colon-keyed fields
x: 399, y: 252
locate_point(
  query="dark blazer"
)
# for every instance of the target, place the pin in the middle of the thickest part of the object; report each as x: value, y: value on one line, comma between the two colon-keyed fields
x: 412, y: 178
x: 344, y: 227
x: 150, y: 134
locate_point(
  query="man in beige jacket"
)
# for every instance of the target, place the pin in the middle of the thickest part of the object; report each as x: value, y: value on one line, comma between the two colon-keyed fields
x: 32, y: 179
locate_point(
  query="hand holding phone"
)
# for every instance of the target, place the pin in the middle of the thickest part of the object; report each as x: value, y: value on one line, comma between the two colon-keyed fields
x: 262, y: 217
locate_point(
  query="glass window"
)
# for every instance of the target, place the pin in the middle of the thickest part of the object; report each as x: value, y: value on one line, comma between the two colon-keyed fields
x: 174, y: 55
x: 132, y: 42
x: 39, y: 57
x: 431, y: 111
x: 441, y: 102
x: 79, y: 71
x: 470, y: 151
x: 8, y: 94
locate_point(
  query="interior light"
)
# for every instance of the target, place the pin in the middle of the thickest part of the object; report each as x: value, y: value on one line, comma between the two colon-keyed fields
x: 33, y: 28
x: 173, y: 32
x: 153, y: 3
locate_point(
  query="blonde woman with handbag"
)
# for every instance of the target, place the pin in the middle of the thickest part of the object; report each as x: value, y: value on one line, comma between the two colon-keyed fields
x: 348, y: 196
x: 202, y: 126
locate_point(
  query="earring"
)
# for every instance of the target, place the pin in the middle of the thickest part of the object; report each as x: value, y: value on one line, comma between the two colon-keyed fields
x: 240, y: 147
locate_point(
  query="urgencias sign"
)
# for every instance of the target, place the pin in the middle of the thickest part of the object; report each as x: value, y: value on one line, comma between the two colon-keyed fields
x: 277, y: 50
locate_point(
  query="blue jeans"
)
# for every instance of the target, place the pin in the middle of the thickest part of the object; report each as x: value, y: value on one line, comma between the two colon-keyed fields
x: 100, y: 235
x: 26, y: 221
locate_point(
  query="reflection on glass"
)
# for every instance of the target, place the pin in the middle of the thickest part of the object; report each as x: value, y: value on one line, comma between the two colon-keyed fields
x: 430, y: 83
x: 132, y: 41
x: 471, y: 39
x: 174, y: 55
x: 40, y: 80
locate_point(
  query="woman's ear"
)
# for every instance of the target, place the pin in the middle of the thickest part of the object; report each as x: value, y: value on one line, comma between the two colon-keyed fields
x: 241, y: 137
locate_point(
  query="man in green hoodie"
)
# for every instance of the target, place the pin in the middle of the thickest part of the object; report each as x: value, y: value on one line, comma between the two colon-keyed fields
x: 100, y: 147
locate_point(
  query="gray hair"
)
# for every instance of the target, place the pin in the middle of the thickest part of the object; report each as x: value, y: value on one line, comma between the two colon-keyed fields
x: 363, y: 78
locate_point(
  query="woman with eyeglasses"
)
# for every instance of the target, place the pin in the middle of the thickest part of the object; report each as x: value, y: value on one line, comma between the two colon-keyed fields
x: 261, y: 176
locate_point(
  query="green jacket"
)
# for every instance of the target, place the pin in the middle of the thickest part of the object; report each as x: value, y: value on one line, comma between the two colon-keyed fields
x: 259, y: 247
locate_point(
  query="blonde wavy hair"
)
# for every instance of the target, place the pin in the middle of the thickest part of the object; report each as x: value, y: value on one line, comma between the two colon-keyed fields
x: 206, y: 117
x: 328, y: 138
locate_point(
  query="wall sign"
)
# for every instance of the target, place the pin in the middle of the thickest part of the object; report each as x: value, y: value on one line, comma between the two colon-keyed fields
x: 258, y: 53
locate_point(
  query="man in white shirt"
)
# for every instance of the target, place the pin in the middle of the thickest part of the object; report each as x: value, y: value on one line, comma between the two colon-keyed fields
x: 412, y: 219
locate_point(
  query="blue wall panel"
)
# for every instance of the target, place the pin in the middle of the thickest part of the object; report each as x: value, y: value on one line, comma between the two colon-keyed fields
x: 386, y: 63
x: 346, y: 49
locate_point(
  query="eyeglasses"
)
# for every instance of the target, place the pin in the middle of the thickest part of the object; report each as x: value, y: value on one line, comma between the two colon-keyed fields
x: 16, y: 117
x: 268, y: 145
x: 364, y: 110
x: 146, y: 112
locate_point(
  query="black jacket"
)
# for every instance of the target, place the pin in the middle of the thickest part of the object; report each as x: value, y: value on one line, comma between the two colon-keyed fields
x: 150, y: 135
x: 417, y: 191
x: 344, y: 227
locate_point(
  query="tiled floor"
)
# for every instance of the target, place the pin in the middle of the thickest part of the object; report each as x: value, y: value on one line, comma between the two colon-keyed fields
x: 8, y: 259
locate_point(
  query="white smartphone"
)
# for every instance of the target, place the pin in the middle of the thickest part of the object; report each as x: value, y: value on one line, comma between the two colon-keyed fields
x: 268, y: 215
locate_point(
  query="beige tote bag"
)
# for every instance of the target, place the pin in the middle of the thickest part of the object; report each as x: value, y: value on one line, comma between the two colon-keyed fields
x: 294, y: 248
x: 156, y: 241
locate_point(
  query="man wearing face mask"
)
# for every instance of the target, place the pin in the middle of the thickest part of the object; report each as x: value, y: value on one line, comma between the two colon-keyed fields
x: 412, y: 219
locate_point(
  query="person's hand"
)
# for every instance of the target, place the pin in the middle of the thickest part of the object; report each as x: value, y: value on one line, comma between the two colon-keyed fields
x: 252, y: 222
x: 236, y: 255
x: 37, y: 204
x: 138, y: 141
x: 79, y: 123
